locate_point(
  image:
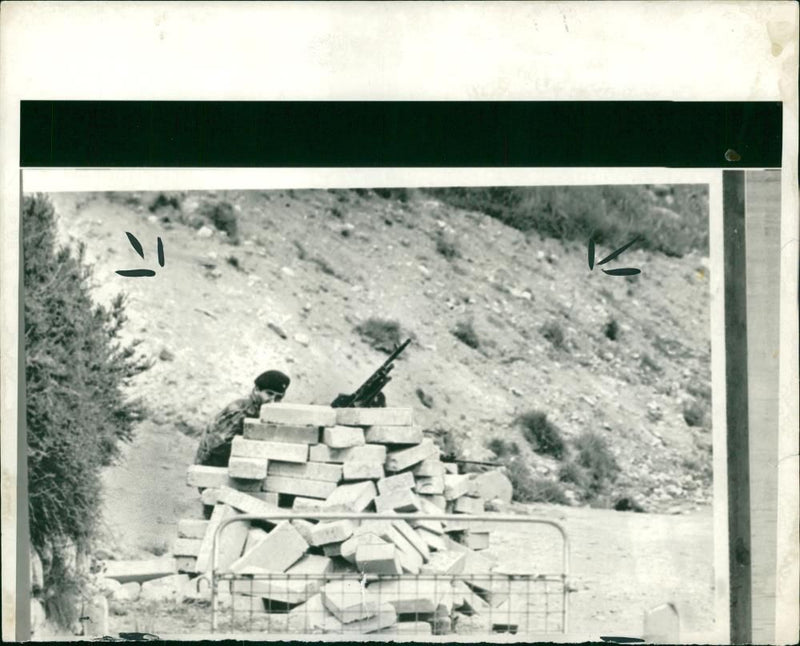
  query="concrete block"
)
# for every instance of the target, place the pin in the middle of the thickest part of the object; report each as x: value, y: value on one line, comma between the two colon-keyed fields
x: 412, y: 537
x: 209, y: 497
x: 384, y: 617
x: 429, y: 467
x: 270, y: 497
x: 303, y: 528
x: 332, y: 549
x: 308, y: 505
x: 433, y: 526
x: 246, y: 503
x: 334, y: 531
x: 308, y: 616
x: 230, y: 541
x: 192, y: 528
x: 494, y: 589
x: 348, y: 600
x: 247, y: 468
x: 378, y: 558
x: 478, y: 563
x: 493, y: 484
x: 186, y: 564
x: 366, y: 453
x: 343, y: 437
x: 451, y: 467
x: 436, y: 500
x: 403, y: 480
x: 205, y: 477
x: 281, y: 549
x: 310, y: 470
x: 468, y: 505
x: 300, y: 486
x: 298, y: 414
x: 408, y: 628
x: 455, y: 525
x: 431, y: 485
x: 375, y: 416
x: 362, y: 470
x: 140, y: 571
x: 475, y: 540
x: 456, y: 486
x: 254, y: 536
x: 405, y: 458
x: 257, y: 430
x: 354, y: 497
x: 281, y: 451
x: 347, y: 549
x: 447, y: 562
x: 302, y: 580
x: 186, y: 546
x: 454, y: 546
x: 410, y: 559
x: 466, y: 600
x: 402, y: 500
x: 433, y: 540
x: 394, y: 435
x: 409, y: 596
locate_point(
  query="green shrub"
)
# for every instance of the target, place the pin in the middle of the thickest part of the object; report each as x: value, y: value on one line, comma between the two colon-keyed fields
x: 529, y: 488
x: 164, y: 201
x: 694, y: 413
x: 596, y: 459
x: 381, y: 334
x: 223, y: 216
x: 552, y: 332
x: 611, y: 330
x: 447, y: 247
x: 75, y: 368
x: 542, y: 435
x: 502, y: 448
x: 465, y: 333
x: 573, y: 473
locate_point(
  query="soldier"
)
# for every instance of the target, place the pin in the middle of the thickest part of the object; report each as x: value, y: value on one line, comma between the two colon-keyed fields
x: 215, y: 444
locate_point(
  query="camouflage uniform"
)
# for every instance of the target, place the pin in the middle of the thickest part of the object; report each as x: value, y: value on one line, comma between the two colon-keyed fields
x: 215, y: 444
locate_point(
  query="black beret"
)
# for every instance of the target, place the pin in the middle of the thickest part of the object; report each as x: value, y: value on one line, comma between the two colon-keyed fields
x: 273, y: 380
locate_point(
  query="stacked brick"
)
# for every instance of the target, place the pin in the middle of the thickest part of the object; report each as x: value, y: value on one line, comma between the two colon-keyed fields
x: 353, y: 460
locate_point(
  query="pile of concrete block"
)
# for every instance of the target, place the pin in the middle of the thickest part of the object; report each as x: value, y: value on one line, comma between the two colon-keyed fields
x: 352, y: 460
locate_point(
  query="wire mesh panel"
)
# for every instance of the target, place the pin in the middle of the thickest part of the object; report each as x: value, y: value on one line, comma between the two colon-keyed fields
x: 372, y: 583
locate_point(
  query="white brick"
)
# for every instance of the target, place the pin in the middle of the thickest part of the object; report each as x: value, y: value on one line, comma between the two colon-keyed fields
x: 230, y: 541
x: 310, y: 470
x: 247, y: 468
x: 348, y: 548
x: 402, y: 500
x: 451, y: 468
x: 209, y: 497
x: 303, y: 528
x: 475, y: 540
x: 186, y: 564
x: 354, y: 497
x: 429, y: 467
x: 410, y: 558
x: 393, y: 483
x: 300, y: 486
x: 456, y: 486
x: 432, y: 485
x: 205, y: 477
x: 247, y: 503
x: 331, y: 532
x: 433, y: 526
x: 374, y: 416
x: 493, y: 484
x: 404, y: 458
x: 378, y: 558
x: 468, y: 505
x: 257, y: 430
x: 409, y: 596
x: 343, y: 437
x: 384, y: 617
x: 455, y: 525
x: 281, y: 451
x: 412, y: 537
x: 298, y: 414
x: 301, y: 504
x: 310, y: 567
x: 267, y: 496
x: 348, y: 601
x: 362, y: 470
x: 366, y: 453
x: 187, y: 546
x: 448, y: 562
x: 439, y: 502
x: 433, y: 540
x: 254, y: 536
x: 394, y: 435
x: 192, y: 528
x: 282, y: 547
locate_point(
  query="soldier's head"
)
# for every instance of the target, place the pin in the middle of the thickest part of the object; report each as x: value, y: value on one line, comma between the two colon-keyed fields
x: 270, y: 386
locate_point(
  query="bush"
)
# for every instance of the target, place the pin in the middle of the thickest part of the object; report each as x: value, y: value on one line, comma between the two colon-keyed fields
x: 573, y: 473
x: 223, y: 216
x: 611, y: 330
x: 542, y: 435
x: 164, y: 201
x: 529, y: 488
x: 465, y: 333
x: 381, y: 334
x: 76, y: 412
x: 501, y: 448
x: 552, y: 332
x: 694, y: 413
x: 598, y: 462
x: 447, y: 247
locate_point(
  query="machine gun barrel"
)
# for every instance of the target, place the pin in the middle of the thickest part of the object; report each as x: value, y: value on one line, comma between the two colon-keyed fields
x: 374, y: 384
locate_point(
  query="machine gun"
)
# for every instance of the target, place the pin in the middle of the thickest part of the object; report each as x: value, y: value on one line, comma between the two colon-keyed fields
x: 368, y: 392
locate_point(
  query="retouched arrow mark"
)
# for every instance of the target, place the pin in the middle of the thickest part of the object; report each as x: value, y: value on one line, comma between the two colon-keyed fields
x: 135, y: 273
x: 137, y: 246
x: 625, y: 271
x: 160, y: 252
x: 591, y: 254
x: 616, y: 253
